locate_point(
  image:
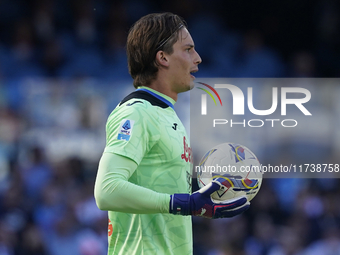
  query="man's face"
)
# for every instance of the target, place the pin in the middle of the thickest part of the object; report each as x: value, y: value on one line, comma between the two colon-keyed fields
x: 183, y: 62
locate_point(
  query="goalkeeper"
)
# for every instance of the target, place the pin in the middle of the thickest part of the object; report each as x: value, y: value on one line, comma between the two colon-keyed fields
x: 144, y: 175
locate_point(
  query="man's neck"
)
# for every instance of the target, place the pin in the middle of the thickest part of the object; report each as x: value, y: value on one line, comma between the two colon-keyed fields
x: 163, y: 88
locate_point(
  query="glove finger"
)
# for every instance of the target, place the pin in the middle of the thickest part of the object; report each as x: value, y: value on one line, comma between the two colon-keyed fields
x: 226, y: 213
x: 223, y: 182
x: 231, y: 204
x: 237, y: 184
x: 210, y: 188
x: 220, y: 180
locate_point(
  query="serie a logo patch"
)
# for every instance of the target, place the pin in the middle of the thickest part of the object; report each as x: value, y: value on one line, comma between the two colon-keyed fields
x: 125, y: 129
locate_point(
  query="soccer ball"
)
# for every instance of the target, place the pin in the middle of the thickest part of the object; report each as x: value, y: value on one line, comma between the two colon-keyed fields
x: 237, y: 165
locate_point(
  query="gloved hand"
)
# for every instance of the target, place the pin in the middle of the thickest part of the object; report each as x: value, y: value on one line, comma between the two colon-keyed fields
x: 201, y: 204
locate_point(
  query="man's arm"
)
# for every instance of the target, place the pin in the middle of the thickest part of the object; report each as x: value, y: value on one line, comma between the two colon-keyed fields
x: 113, y: 191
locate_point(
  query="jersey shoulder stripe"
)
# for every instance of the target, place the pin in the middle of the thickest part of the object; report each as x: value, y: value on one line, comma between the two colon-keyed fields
x: 138, y: 94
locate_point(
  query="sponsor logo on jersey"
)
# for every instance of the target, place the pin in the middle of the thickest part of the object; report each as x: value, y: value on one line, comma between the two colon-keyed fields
x: 110, y: 229
x: 187, y: 156
x: 125, y: 129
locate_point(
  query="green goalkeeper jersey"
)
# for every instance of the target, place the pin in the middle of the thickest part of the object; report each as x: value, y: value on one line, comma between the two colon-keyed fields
x: 145, y: 128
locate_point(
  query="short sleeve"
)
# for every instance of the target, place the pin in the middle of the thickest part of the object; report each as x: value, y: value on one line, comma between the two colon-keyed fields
x: 131, y: 131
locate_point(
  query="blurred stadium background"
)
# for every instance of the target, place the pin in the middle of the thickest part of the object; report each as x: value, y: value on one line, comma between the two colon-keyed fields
x: 62, y: 71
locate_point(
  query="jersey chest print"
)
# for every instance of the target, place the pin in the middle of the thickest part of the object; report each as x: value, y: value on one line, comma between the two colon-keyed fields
x: 187, y: 155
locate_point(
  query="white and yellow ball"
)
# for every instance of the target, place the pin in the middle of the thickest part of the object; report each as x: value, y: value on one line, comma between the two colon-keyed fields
x: 237, y: 165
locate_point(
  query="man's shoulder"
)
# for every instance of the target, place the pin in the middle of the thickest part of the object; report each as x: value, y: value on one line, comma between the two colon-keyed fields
x: 135, y: 106
x: 139, y: 96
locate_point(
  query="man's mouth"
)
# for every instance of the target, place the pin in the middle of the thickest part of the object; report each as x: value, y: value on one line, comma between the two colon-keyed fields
x: 193, y: 71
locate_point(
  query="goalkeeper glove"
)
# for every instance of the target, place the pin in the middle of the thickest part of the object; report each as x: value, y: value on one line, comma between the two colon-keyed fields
x: 201, y: 204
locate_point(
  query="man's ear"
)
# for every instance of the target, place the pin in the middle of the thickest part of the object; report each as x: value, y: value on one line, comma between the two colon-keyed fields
x: 162, y: 58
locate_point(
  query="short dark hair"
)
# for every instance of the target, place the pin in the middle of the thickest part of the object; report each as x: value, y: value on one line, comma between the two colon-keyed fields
x: 151, y: 33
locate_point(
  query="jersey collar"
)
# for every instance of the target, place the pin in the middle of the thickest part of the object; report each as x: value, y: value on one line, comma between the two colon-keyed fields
x: 167, y: 100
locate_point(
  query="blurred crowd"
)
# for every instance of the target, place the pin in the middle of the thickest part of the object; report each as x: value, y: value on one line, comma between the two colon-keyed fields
x: 68, y: 39
x: 63, y: 69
